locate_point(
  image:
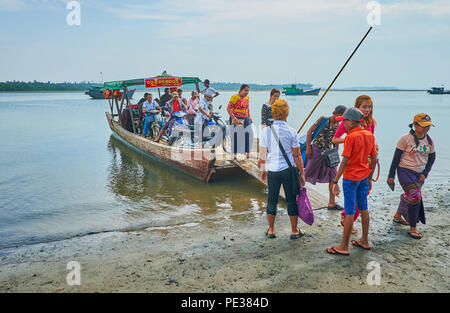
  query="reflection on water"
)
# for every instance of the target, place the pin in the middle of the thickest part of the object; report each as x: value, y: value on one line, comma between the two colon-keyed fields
x: 163, y: 196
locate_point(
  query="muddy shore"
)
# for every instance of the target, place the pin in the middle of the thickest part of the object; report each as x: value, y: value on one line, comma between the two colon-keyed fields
x: 233, y: 255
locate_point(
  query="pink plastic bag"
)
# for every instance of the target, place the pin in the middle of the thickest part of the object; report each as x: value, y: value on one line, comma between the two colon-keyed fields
x: 305, y: 211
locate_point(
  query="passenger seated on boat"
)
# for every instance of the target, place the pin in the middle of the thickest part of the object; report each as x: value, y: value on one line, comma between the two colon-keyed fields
x: 149, y: 107
x: 192, y: 107
x: 140, y: 123
x: 174, y: 105
x: 125, y: 120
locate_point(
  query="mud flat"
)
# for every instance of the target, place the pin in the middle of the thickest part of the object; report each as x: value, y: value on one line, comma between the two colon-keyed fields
x: 232, y: 255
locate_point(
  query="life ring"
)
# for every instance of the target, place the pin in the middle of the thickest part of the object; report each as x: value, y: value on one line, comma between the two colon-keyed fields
x: 117, y: 94
x: 107, y: 93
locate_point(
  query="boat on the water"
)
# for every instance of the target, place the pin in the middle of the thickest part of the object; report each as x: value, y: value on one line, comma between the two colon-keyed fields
x: 206, y: 164
x: 294, y: 91
x: 438, y: 91
x: 97, y: 92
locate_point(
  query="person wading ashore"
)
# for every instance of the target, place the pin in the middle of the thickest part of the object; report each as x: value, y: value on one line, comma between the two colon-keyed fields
x: 279, y: 145
x: 413, y: 160
x: 266, y: 110
x: 365, y: 104
x: 358, y: 146
x: 316, y: 169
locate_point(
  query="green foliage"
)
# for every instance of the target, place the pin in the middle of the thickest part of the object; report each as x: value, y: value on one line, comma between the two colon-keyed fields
x: 44, y: 86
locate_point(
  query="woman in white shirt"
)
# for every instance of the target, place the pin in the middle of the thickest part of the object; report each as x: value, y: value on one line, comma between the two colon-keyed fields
x: 275, y: 168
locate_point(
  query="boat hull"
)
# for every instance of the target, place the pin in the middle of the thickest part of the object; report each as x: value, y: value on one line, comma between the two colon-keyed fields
x: 200, y: 163
x: 312, y: 92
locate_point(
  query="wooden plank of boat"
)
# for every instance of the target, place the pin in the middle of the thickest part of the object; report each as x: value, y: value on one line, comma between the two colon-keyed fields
x: 251, y: 167
x: 200, y: 163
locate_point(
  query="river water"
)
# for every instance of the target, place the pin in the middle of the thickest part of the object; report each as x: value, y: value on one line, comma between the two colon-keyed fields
x: 62, y: 173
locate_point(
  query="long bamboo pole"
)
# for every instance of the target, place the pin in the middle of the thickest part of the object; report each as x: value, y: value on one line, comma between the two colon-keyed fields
x: 326, y: 91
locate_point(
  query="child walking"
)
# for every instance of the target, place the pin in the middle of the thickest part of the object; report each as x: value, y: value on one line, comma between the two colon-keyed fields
x: 359, y: 144
x: 365, y: 104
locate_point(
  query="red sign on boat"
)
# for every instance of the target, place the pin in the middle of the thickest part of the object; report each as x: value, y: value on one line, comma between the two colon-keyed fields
x: 163, y: 82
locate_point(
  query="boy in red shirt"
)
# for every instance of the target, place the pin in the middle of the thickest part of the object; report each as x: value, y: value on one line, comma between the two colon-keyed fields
x: 358, y: 146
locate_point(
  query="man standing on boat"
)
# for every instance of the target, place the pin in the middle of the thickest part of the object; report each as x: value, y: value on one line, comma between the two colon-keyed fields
x: 209, y: 90
x: 203, y: 116
x: 165, y: 97
x: 147, y: 108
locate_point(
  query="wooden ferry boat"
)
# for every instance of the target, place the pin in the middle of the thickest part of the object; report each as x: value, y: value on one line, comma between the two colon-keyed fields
x: 205, y: 164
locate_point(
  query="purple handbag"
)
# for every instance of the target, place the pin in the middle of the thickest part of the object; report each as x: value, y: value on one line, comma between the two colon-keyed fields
x: 305, y: 211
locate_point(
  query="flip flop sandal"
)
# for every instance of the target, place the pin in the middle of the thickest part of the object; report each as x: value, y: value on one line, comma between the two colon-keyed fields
x: 357, y: 244
x: 300, y: 234
x: 415, y: 237
x: 400, y: 222
x: 336, y: 207
x: 270, y: 236
x: 332, y: 250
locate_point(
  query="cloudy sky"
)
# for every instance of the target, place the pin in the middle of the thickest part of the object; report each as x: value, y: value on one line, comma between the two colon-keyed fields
x: 257, y: 41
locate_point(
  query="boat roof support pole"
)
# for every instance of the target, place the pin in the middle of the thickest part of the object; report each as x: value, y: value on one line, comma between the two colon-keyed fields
x: 125, y: 94
x: 117, y: 107
x: 123, y: 98
x: 111, y: 107
x: 159, y: 94
x: 197, y: 87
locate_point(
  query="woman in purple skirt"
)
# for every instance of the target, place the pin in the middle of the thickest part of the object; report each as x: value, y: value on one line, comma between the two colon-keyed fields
x: 413, y: 160
x: 316, y: 170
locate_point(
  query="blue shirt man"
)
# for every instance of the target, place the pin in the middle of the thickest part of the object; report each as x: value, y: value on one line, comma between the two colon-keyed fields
x: 147, y: 107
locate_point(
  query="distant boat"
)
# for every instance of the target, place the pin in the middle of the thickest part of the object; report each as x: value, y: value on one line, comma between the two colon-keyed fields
x: 438, y: 91
x: 97, y: 93
x: 294, y: 91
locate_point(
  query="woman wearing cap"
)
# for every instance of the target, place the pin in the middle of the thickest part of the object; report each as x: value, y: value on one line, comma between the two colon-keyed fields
x: 365, y: 104
x: 238, y: 109
x: 266, y: 110
x: 316, y: 170
x: 277, y: 170
x: 413, y: 160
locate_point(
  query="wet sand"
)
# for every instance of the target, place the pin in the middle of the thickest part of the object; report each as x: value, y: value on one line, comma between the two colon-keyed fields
x: 231, y: 254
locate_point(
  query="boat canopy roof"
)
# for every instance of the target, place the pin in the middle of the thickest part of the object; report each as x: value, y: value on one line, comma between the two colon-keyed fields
x: 163, y: 80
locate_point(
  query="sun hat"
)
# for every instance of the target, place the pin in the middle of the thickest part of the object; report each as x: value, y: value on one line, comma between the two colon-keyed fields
x: 423, y: 119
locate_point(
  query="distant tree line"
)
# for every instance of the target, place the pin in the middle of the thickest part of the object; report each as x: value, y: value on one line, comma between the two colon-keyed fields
x: 236, y: 86
x: 44, y: 86
x: 84, y: 85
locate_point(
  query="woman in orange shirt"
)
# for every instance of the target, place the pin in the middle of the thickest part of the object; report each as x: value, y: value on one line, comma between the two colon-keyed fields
x: 238, y: 109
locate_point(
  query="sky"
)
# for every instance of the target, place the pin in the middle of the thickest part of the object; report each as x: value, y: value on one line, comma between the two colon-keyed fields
x: 244, y: 41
